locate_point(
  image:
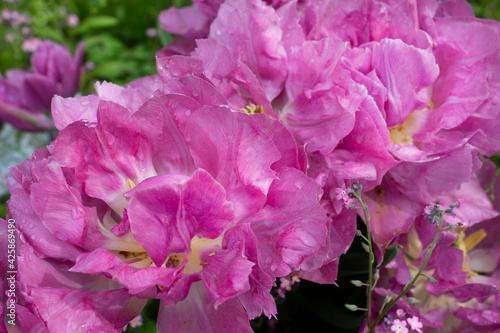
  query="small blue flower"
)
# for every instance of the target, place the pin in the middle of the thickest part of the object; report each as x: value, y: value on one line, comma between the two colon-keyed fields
x: 433, y: 213
x: 387, y: 320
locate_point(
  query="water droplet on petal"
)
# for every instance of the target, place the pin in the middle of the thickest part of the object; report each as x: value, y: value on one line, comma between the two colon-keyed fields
x: 75, y: 213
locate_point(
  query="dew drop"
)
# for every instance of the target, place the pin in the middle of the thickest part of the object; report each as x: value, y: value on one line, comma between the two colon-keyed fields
x: 187, y: 113
x: 140, y: 154
x: 111, y: 138
x: 75, y: 213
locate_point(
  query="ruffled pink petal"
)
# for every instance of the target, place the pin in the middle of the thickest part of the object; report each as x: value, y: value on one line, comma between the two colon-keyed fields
x: 187, y: 21
x: 29, y: 222
x: 368, y: 144
x: 218, y: 62
x: 324, y: 97
x: 177, y: 66
x: 68, y: 110
x: 167, y: 211
x: 256, y: 40
x: 60, y: 208
x: 292, y: 226
x: 160, y: 120
x: 479, y: 317
x: 386, y: 203
x: 438, y: 175
x: 323, y: 267
x: 199, y: 89
x: 283, y: 140
x: 226, y: 271
x: 258, y: 299
x: 106, y: 157
x: 142, y: 281
x: 105, y: 311
x: 197, y: 313
x: 360, y: 22
x: 231, y: 147
x: 406, y: 72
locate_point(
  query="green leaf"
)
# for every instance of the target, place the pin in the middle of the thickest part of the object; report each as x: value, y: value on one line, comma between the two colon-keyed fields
x: 358, y: 283
x: 411, y: 299
x: 96, y: 22
x: 3, y: 210
x: 390, y: 253
x: 388, y: 298
x: 430, y: 279
x: 50, y: 33
x: 15, y: 147
x: 165, y: 37
x: 352, y: 307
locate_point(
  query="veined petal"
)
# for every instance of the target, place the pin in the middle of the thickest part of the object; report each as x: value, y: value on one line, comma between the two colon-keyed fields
x: 166, y: 212
x: 106, y: 156
x: 222, y: 142
x: 196, y: 313
x: 292, y: 226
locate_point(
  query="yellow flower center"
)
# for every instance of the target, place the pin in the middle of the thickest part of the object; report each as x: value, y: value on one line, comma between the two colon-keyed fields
x: 468, y: 243
x: 194, y: 264
x: 403, y: 134
x: 252, y: 109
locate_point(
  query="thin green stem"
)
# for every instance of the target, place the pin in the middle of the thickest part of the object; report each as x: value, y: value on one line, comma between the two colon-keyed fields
x: 414, y: 279
x: 491, y: 188
x: 366, y: 239
x: 370, y: 255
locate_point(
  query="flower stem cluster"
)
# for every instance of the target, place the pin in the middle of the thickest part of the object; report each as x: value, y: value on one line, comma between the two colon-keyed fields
x: 435, y: 215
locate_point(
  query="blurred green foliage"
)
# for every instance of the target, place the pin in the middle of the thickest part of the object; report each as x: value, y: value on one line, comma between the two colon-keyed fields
x: 117, y: 47
x: 489, y: 9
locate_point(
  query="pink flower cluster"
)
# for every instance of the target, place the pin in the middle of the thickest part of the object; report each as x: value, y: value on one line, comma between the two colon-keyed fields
x: 160, y: 190
x: 14, y: 18
x: 203, y: 185
x: 401, y: 324
x: 402, y: 96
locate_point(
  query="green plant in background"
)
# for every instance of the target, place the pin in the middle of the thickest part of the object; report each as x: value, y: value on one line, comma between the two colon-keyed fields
x: 489, y: 9
x: 118, y: 47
